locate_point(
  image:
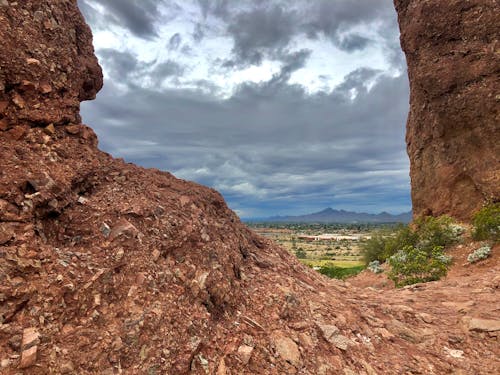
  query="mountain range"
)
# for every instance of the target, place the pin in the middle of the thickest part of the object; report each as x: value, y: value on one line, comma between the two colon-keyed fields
x: 330, y: 215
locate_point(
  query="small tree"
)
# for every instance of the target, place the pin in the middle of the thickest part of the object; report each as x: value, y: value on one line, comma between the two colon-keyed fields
x: 413, y: 265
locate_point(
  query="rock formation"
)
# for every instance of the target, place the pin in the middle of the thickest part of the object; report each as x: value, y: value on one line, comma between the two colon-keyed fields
x: 107, y: 268
x: 452, y: 50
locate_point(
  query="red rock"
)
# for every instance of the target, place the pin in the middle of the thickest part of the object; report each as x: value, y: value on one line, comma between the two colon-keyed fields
x: 3, y: 105
x: 31, y: 337
x: 123, y: 228
x: 28, y: 357
x: 245, y: 353
x: 452, y: 130
x: 288, y: 350
x: 73, y: 129
x: 4, y: 125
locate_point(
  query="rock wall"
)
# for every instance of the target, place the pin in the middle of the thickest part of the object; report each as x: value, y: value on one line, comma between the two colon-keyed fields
x: 453, y: 130
x: 47, y: 63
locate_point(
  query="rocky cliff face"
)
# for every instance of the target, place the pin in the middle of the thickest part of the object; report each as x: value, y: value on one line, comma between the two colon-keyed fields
x: 452, y: 50
x: 109, y: 268
x: 47, y: 63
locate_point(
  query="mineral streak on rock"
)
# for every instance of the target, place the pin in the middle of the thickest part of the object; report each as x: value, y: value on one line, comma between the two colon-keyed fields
x: 47, y: 62
x: 453, y: 129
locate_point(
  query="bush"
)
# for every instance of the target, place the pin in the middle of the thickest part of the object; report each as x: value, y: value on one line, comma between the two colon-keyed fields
x: 487, y: 223
x: 413, y: 265
x: 383, y: 245
x: 375, y: 267
x: 480, y: 254
x: 300, y: 253
x: 436, y: 231
x: 334, y: 272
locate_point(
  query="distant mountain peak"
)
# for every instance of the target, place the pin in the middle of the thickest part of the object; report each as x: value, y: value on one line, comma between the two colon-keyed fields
x: 330, y: 215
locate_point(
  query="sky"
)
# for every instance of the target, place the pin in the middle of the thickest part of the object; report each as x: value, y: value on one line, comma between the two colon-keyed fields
x: 285, y: 107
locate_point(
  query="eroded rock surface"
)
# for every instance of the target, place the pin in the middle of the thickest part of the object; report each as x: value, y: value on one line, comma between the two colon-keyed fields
x: 452, y: 50
x: 47, y: 63
x: 110, y: 268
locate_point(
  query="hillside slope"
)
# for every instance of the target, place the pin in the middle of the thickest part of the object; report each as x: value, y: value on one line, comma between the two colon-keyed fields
x: 109, y: 268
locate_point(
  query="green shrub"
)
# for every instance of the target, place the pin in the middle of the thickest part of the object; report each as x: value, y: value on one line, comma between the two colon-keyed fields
x: 480, y: 254
x: 383, y: 245
x: 334, y: 272
x: 436, y: 231
x: 413, y: 265
x: 300, y: 253
x: 487, y: 223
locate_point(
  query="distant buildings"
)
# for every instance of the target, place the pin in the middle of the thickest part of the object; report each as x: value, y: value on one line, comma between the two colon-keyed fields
x: 330, y: 237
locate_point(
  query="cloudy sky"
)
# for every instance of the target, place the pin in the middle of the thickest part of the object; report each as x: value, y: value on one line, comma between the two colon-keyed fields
x: 285, y: 107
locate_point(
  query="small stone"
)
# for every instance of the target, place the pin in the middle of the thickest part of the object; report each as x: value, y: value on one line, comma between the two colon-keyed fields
x: 31, y: 337
x: 245, y: 353
x: 119, y: 254
x: 18, y: 101
x: 105, y: 229
x: 221, y: 370
x: 6, y: 234
x: 123, y: 228
x: 340, y: 341
x: 73, y: 129
x: 67, y: 368
x: 454, y: 353
x: 4, y: 125
x: 31, y: 61
x: 38, y: 16
x: 59, y: 278
x: 5, y: 362
x: 288, y: 350
x: 28, y: 357
x: 45, y: 88
x: 328, y: 330
x: 50, y: 129
x: 331, y: 334
x: 3, y: 105
x: 82, y: 200
x: 156, y: 254
x: 484, y: 325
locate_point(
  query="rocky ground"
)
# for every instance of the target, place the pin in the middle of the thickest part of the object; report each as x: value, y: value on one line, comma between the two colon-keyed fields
x: 109, y: 268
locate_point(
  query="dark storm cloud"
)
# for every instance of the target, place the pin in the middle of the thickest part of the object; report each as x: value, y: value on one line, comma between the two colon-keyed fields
x: 166, y: 69
x: 139, y: 16
x: 124, y: 67
x: 259, y: 33
x: 270, y: 145
x: 264, y: 29
x: 333, y: 17
x: 119, y: 65
x: 353, y: 42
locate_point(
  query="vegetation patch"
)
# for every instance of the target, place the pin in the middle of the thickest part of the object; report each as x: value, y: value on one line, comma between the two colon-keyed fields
x: 375, y: 267
x: 479, y: 254
x: 487, y: 223
x: 412, y: 265
x: 342, y: 273
x: 414, y: 253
